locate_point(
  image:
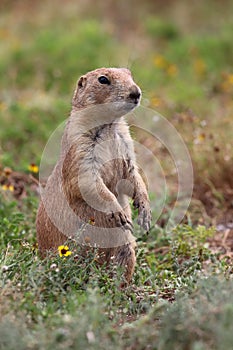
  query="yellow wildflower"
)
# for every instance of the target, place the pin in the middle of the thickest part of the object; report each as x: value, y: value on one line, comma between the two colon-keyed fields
x: 155, y: 101
x: 227, y: 82
x: 8, y: 188
x: 200, y: 138
x: 33, y: 168
x: 172, y: 70
x: 64, y: 251
x: 230, y: 79
x: 160, y: 61
x: 199, y: 67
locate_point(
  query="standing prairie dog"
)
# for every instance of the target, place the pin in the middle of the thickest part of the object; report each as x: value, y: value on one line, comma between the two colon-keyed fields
x: 87, y: 195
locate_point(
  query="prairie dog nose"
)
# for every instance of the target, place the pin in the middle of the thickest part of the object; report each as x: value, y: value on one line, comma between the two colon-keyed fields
x: 135, y: 94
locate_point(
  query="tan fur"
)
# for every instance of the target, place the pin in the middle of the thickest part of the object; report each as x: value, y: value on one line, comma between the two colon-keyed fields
x: 96, y: 173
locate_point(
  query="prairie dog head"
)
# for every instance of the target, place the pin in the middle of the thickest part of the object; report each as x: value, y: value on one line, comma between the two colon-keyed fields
x: 110, y: 86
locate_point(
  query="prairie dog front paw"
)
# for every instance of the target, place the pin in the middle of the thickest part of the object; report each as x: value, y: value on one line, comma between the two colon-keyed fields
x: 144, y: 213
x: 120, y: 220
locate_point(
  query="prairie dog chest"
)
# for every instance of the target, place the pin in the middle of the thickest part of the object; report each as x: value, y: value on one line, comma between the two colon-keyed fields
x: 112, y: 143
x: 113, y: 153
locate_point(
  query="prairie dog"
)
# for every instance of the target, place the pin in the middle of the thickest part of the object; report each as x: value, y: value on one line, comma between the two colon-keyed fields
x: 87, y: 195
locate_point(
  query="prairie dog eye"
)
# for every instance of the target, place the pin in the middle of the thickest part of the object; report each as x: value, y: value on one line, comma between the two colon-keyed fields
x: 103, y: 80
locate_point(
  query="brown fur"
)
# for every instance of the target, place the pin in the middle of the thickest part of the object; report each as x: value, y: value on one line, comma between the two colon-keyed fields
x: 96, y: 173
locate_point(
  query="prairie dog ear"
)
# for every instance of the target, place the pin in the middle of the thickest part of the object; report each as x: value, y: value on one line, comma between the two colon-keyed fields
x: 82, y: 81
x: 80, y: 85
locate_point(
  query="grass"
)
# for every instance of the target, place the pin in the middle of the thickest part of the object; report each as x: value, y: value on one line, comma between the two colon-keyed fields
x: 180, y: 296
x: 68, y: 303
